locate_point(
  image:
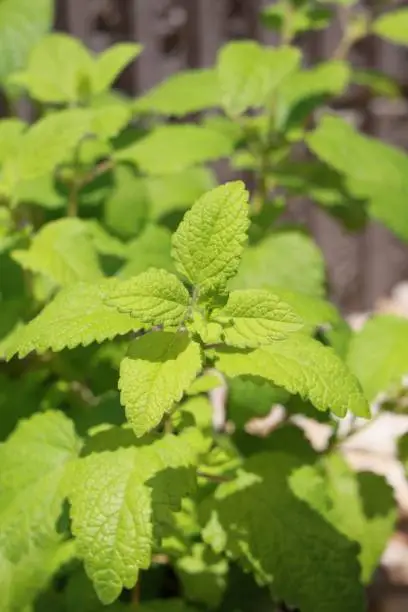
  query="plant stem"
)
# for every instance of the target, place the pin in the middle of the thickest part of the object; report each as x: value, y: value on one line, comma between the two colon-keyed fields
x: 214, y: 477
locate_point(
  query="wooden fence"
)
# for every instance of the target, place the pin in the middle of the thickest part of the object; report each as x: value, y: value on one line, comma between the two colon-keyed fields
x: 177, y: 34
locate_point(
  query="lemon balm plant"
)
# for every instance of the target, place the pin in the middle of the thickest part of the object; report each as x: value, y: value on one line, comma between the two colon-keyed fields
x: 131, y: 286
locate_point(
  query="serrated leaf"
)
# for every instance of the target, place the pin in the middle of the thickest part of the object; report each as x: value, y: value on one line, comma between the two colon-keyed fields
x: 170, y: 149
x: 151, y: 249
x: 325, y: 562
x: 78, y: 315
x: 361, y: 506
x: 22, y: 24
x: 155, y: 297
x: 35, y: 461
x: 252, y: 317
x: 158, y: 370
x: 62, y: 251
x: 249, y: 73
x: 209, y: 242
x: 356, y: 156
x: 109, y: 64
x: 378, y: 354
x: 315, y: 312
x: 182, y: 93
x: 393, y: 26
x: 300, y: 365
x: 116, y: 501
x: 288, y: 259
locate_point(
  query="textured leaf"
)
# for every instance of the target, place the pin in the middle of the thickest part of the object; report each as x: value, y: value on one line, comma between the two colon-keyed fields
x: 110, y: 63
x: 173, y: 148
x: 254, y: 316
x: 182, y: 93
x: 305, y: 560
x: 209, y: 242
x: 77, y: 315
x: 155, y: 297
x: 62, y: 251
x: 55, y: 55
x: 22, y: 24
x: 378, y: 355
x: 385, y: 185
x: 34, y: 460
x: 300, y: 365
x: 288, y: 260
x: 361, y: 506
x: 393, y: 26
x: 117, y: 499
x: 150, y: 249
x: 159, y: 368
x: 249, y: 73
x: 315, y: 312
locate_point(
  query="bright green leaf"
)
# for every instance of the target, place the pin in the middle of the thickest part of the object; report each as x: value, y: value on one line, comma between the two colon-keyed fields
x: 209, y: 242
x: 118, y: 498
x: 182, y: 93
x: 249, y: 73
x: 109, y: 64
x: 158, y: 369
x: 78, y: 315
x: 62, y: 251
x: 393, y: 26
x: 252, y: 317
x: 170, y: 149
x: 304, y: 366
x: 155, y: 297
x: 151, y: 249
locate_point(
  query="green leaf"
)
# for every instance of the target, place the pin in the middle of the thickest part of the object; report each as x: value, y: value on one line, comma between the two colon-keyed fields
x: 150, y: 249
x: 379, y: 83
x: 108, y: 120
x: 251, y: 398
x: 378, y: 355
x: 356, y: 156
x: 119, y: 500
x: 305, y: 560
x: 35, y: 464
x: 209, y: 242
x: 78, y: 315
x: 155, y: 297
x: 62, y: 250
x: 303, y: 91
x: 170, y: 149
x: 314, y: 312
x: 182, y: 93
x: 361, y: 506
x: 393, y: 26
x: 45, y: 145
x: 55, y: 55
x: 249, y: 73
x: 126, y: 207
x: 159, y: 368
x: 109, y: 64
x: 11, y: 131
x: 288, y: 259
x: 300, y: 365
x: 22, y: 24
x: 252, y: 317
